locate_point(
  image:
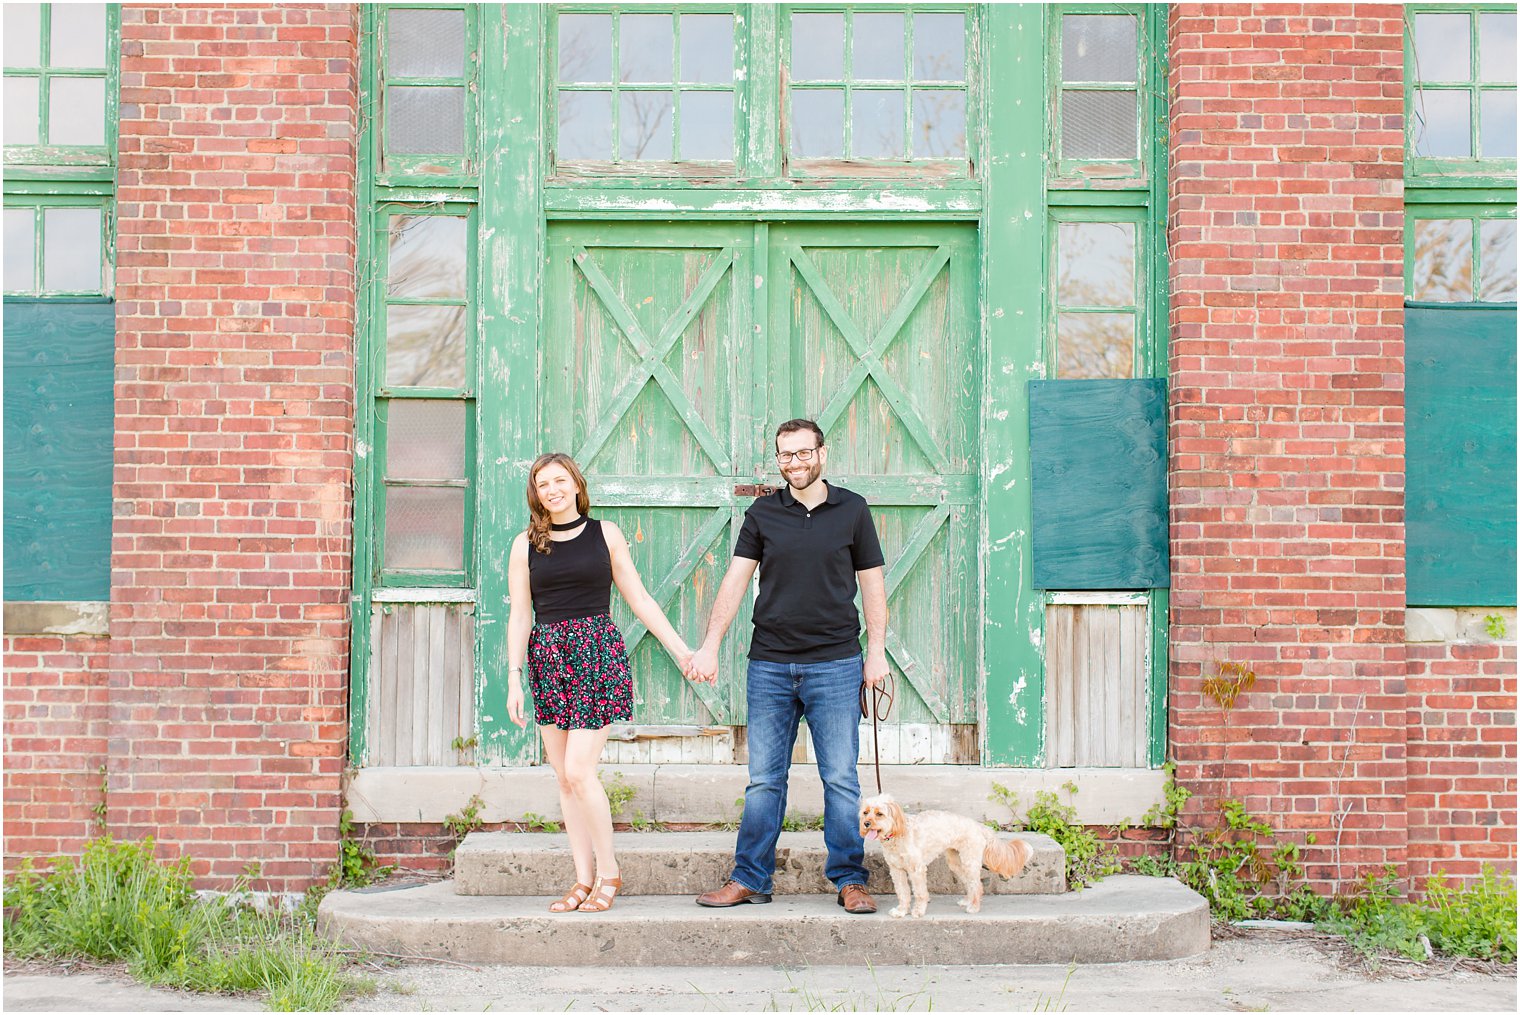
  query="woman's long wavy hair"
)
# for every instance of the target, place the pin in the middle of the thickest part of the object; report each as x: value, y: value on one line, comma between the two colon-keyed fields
x: 538, y: 515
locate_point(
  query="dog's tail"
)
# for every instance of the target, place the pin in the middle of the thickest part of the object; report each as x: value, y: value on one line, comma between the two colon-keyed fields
x: 1007, y: 857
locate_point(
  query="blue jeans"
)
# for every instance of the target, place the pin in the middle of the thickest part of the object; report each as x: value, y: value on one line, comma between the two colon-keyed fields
x: 779, y: 695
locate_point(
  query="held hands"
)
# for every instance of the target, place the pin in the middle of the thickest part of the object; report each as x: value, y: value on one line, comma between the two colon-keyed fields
x: 702, y: 666
x: 875, y: 667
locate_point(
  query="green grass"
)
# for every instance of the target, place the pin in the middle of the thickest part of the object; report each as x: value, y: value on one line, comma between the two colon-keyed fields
x: 1470, y: 920
x: 118, y: 904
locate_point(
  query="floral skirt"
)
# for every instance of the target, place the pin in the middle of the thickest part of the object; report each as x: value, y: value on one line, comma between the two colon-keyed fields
x: 579, y: 674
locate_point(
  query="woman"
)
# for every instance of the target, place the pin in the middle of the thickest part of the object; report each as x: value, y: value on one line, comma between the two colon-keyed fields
x: 560, y: 575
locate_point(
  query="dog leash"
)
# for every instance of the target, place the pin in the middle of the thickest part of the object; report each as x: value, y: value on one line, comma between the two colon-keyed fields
x: 876, y: 706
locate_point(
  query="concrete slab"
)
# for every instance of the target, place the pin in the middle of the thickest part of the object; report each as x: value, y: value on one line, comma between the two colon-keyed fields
x: 706, y: 794
x: 1122, y: 919
x: 689, y: 863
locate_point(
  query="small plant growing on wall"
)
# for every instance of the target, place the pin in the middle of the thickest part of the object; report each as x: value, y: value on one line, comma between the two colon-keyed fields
x: 1232, y: 680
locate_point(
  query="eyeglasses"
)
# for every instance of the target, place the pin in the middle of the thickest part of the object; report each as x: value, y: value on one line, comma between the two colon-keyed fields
x: 805, y: 455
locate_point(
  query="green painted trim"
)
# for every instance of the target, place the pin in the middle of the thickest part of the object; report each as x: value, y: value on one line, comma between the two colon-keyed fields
x: 1156, y: 358
x: 1014, y: 241
x: 879, y: 203
x: 1477, y: 190
x: 512, y: 254
x: 758, y: 106
x: 365, y: 316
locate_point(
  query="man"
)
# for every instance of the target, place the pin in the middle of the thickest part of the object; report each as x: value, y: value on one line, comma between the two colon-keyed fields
x: 812, y: 542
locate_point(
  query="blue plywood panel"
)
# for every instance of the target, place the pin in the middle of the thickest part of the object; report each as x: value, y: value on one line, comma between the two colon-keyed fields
x: 58, y: 439
x: 1460, y: 449
x: 1097, y: 456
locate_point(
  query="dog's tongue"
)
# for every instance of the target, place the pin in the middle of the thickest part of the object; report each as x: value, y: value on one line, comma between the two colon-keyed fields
x: 871, y: 833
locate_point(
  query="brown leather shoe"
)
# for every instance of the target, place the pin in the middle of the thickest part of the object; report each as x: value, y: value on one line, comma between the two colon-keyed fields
x: 731, y: 894
x: 856, y: 900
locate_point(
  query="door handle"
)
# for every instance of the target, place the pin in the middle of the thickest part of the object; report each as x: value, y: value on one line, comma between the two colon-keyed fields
x: 752, y: 490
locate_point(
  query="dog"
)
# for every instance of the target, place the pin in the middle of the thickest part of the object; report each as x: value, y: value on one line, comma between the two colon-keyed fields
x: 911, y: 842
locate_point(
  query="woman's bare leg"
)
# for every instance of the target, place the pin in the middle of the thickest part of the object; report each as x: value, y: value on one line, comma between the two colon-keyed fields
x: 578, y: 825
x: 582, y: 752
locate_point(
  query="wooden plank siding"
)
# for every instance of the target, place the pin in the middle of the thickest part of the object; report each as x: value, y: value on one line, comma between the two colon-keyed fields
x: 1096, y: 679
x: 422, y: 668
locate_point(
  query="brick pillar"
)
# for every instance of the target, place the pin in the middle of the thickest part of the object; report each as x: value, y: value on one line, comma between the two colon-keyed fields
x: 1287, y: 478
x: 232, y: 540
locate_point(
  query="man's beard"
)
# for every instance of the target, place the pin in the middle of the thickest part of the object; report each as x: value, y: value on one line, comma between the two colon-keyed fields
x: 808, y: 478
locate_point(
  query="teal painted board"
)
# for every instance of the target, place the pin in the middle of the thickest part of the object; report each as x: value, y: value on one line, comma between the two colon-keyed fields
x: 1097, y: 460
x: 58, y: 439
x: 1460, y: 445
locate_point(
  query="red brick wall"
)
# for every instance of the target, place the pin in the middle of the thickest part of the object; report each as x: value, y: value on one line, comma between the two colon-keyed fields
x: 231, y: 549
x: 1287, y: 473
x: 1461, y: 758
x: 55, y: 742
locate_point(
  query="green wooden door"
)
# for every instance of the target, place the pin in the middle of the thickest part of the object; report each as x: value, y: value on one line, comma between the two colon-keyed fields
x: 644, y: 383
x: 874, y: 333
x: 671, y: 353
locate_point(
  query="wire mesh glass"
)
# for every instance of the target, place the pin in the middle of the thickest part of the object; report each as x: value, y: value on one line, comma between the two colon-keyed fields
x: 425, y: 439
x: 425, y: 43
x: 1100, y: 47
x: 1099, y: 125
x: 424, y: 528
x: 424, y: 121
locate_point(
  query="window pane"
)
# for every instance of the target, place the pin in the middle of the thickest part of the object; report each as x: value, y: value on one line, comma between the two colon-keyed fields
x: 427, y: 256
x: 939, y: 124
x: 1442, y: 47
x: 585, y: 125
x: 877, y: 121
x: 20, y: 252
x: 1496, y: 46
x: 878, y: 47
x: 707, y: 125
x: 1099, y: 47
x: 1497, y: 123
x: 707, y: 48
x: 645, y: 125
x: 1099, y: 125
x: 425, y: 346
x: 585, y: 47
x: 1496, y: 260
x: 1095, y: 264
x: 817, y: 47
x: 645, y: 44
x: 1442, y: 260
x: 20, y: 110
x: 78, y: 36
x: 71, y: 249
x: 77, y: 111
x: 1095, y: 345
x: 817, y: 124
x: 425, y: 440
x: 425, y: 44
x: 939, y: 47
x: 1442, y: 123
x: 424, y: 528
x: 425, y: 121
x: 23, y: 36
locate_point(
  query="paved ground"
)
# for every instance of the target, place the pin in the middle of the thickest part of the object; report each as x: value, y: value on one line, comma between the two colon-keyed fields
x: 1258, y: 971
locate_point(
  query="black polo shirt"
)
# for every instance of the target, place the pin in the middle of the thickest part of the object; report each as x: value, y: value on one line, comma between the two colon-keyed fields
x: 808, y: 559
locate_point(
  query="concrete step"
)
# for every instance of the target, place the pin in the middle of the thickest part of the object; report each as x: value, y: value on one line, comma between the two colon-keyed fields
x: 1121, y: 919
x: 690, y: 863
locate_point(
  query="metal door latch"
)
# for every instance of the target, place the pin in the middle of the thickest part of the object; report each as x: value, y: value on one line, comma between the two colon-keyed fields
x: 753, y: 490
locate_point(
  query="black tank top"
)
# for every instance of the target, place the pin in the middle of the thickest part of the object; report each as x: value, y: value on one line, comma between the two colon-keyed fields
x: 574, y: 579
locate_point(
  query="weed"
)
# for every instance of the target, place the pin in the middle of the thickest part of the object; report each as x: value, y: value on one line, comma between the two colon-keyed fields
x: 1475, y: 920
x: 1232, y: 680
x: 1245, y: 873
x: 538, y: 823
x: 1494, y: 624
x: 99, y: 810
x: 117, y: 903
x: 465, y: 745
x: 467, y: 820
x: 357, y: 865
x: 802, y: 823
x: 1088, y: 858
x: 1174, y: 796
x: 619, y: 793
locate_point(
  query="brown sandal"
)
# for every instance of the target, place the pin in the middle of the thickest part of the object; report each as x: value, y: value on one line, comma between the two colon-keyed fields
x: 601, y: 898
x: 572, y: 899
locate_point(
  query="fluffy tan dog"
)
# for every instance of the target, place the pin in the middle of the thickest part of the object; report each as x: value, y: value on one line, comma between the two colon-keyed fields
x: 911, y: 842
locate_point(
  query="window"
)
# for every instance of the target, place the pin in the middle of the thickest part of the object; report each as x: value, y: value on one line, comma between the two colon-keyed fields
x: 55, y: 246
x: 644, y: 86
x: 1466, y: 259
x: 59, y: 83
x: 429, y: 89
x: 1098, y: 64
x: 1460, y: 85
x: 873, y: 84
x: 425, y: 402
